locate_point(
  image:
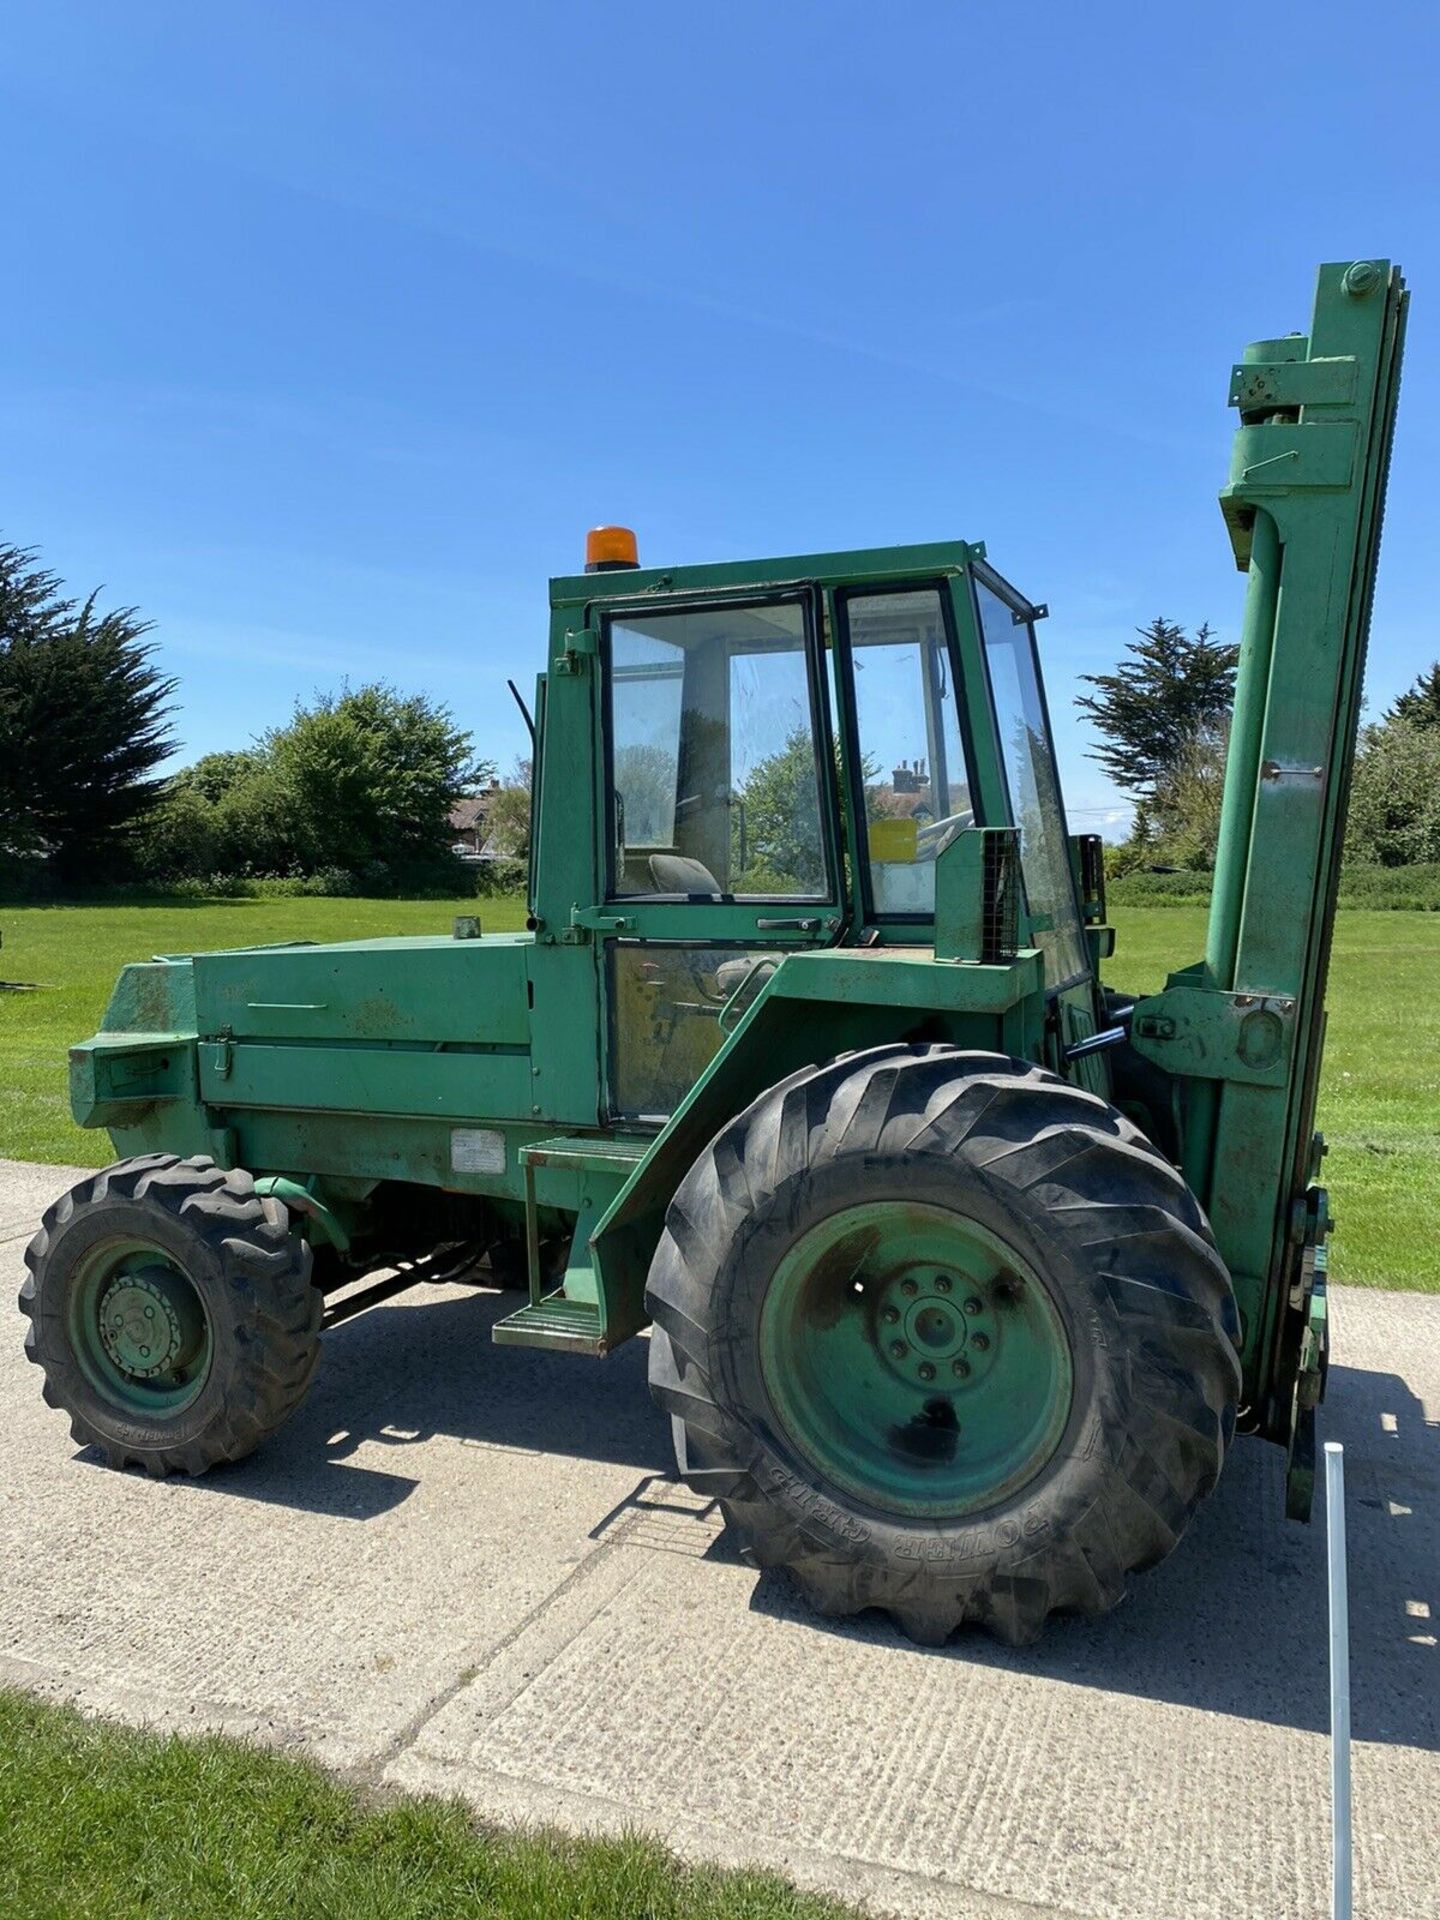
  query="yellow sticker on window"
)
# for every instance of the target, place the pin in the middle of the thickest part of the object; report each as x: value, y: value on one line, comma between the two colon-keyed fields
x: 894, y: 839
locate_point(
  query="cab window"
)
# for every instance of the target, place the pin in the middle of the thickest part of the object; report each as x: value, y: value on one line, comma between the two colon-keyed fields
x: 914, y: 788
x: 714, y: 774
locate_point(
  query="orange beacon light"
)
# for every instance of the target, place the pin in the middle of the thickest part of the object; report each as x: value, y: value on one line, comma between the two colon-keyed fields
x: 607, y: 548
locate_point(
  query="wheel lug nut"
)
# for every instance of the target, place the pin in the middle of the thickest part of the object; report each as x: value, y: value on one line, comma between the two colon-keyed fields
x: 892, y: 1314
x: 943, y: 1283
x: 927, y: 1372
x: 909, y: 1288
x: 960, y: 1369
x: 972, y: 1305
x: 149, y: 1313
x: 982, y: 1341
x: 899, y: 1349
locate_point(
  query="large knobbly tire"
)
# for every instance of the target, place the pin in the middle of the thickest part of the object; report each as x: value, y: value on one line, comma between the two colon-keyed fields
x: 190, y: 1249
x: 1106, y: 1285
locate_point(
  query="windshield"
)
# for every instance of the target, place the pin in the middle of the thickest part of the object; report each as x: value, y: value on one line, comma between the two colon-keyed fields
x: 1028, y: 758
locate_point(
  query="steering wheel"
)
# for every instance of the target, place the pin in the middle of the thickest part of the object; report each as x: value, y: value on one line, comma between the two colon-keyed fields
x: 936, y: 833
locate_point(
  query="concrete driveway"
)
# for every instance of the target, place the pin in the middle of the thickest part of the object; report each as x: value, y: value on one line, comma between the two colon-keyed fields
x: 465, y: 1569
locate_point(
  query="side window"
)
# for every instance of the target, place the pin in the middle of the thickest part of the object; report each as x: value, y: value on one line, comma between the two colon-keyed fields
x: 715, y: 772
x: 1029, y: 761
x: 913, y: 775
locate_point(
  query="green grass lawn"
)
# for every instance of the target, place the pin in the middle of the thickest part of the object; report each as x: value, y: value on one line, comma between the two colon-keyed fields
x: 1379, y: 1107
x: 102, y: 1822
x: 1380, y: 1094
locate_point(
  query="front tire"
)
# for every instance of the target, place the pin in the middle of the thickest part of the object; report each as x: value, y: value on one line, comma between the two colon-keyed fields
x: 173, y: 1313
x: 945, y: 1335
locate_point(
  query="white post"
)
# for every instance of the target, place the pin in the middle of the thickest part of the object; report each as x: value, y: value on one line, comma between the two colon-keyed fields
x: 1339, y: 1680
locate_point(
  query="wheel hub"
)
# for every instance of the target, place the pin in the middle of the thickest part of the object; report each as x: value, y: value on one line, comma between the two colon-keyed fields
x: 914, y: 1358
x: 938, y: 1326
x: 150, y: 1323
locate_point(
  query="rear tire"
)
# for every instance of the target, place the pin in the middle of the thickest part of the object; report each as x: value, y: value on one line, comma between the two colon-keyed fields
x: 173, y: 1313
x: 906, y: 1198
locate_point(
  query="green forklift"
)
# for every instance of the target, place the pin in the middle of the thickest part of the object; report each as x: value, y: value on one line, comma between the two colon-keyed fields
x: 960, y: 1269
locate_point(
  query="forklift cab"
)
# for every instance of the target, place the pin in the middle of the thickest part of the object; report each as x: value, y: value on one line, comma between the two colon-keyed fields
x: 782, y: 751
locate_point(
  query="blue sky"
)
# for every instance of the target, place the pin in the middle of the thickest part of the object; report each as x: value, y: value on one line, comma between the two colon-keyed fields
x: 330, y: 328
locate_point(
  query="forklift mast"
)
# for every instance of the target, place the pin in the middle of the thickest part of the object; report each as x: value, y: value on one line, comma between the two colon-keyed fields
x: 1244, y: 1029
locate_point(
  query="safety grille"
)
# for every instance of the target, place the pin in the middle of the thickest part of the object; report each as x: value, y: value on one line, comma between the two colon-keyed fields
x: 1000, y: 922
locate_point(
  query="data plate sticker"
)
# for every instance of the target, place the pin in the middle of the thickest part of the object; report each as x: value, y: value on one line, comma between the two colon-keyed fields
x: 477, y: 1150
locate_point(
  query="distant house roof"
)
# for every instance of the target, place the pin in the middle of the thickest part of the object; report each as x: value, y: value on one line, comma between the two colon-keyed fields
x: 468, y: 813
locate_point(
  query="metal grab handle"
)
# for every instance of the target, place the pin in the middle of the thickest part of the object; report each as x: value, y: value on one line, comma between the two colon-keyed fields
x: 1096, y: 1043
x: 732, y: 1009
x: 787, y: 926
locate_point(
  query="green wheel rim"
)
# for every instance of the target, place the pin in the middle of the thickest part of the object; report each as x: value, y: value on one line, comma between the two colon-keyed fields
x: 138, y: 1328
x: 915, y: 1359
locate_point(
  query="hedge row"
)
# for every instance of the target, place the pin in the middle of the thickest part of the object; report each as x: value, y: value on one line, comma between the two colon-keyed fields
x: 1402, y: 889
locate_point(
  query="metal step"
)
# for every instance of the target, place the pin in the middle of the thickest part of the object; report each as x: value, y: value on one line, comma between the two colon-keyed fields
x: 614, y: 1153
x: 569, y: 1320
x: 566, y: 1326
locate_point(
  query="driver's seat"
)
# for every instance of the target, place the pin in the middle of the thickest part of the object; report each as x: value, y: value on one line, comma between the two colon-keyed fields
x: 678, y: 873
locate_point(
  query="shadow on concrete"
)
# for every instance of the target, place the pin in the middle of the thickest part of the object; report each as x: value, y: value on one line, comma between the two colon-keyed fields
x: 322, y: 1485
x: 1235, y: 1621
x: 425, y: 1367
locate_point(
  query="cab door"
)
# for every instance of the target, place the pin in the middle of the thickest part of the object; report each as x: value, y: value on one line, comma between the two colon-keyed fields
x: 913, y: 776
x: 719, y: 821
